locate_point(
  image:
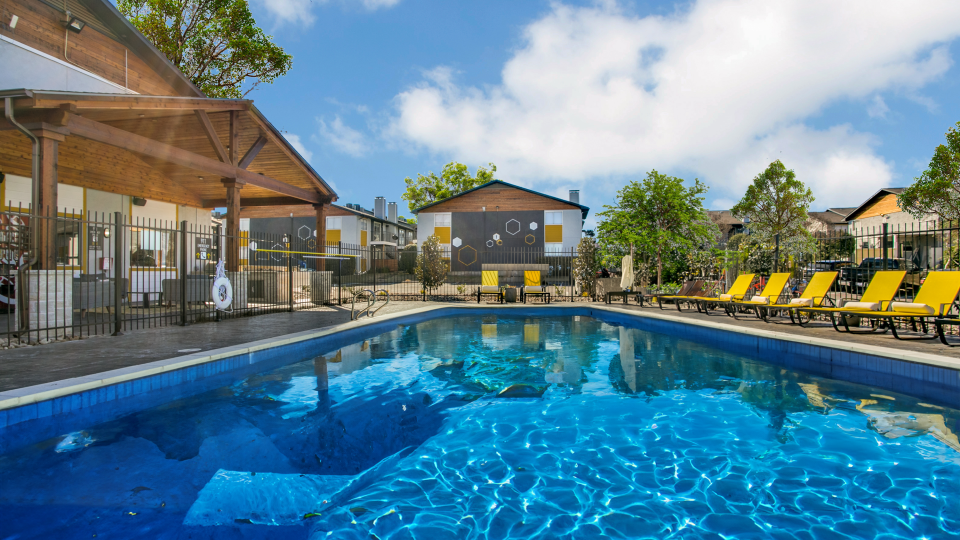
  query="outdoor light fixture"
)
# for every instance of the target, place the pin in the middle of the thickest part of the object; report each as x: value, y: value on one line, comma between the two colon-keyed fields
x: 286, y: 239
x: 106, y: 232
x: 75, y: 24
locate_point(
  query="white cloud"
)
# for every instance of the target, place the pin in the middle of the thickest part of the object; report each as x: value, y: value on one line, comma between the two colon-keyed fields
x: 297, y: 144
x: 300, y: 11
x: 718, y: 90
x: 877, y: 108
x: 342, y: 137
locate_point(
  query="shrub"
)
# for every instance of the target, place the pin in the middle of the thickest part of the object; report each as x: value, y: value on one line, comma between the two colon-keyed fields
x: 431, y: 269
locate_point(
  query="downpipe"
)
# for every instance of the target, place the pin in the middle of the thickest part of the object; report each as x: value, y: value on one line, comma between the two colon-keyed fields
x: 31, y: 258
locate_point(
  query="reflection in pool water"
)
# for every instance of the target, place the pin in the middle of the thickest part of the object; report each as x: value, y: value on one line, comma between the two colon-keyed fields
x: 504, y: 427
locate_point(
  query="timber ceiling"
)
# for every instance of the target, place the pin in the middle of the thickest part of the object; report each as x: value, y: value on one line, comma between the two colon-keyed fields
x: 163, y: 180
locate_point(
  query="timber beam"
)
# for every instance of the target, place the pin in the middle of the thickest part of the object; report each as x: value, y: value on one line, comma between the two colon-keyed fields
x: 253, y: 151
x: 259, y: 201
x: 212, y: 136
x: 53, y: 100
x: 96, y: 131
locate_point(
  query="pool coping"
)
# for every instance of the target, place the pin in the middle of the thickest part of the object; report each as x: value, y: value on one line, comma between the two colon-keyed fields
x: 47, y: 391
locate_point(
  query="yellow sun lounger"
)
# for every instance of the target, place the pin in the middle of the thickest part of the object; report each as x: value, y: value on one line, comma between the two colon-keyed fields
x: 490, y: 285
x: 935, y: 298
x: 883, y: 287
x: 814, y: 295
x: 531, y: 286
x: 737, y: 290
x: 771, y: 293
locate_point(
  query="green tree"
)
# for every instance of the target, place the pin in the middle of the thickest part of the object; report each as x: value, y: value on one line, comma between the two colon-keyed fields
x: 215, y: 43
x: 660, y: 217
x: 431, y: 269
x: 455, y: 178
x: 775, y: 203
x: 937, y: 190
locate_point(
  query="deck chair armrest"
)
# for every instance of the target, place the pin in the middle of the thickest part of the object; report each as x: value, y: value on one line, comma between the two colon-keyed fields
x: 737, y: 297
x: 889, y: 304
x: 944, y: 309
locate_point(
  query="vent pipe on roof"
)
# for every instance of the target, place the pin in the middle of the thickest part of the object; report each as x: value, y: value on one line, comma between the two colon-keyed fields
x: 380, y: 208
x: 392, y: 212
x: 575, y: 196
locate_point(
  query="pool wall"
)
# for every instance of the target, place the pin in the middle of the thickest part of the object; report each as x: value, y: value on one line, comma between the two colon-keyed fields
x: 34, y: 414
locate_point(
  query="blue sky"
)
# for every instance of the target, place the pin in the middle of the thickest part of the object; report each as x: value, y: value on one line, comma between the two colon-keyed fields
x: 588, y: 95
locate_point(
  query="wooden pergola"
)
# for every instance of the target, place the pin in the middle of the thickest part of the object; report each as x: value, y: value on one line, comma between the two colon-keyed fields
x: 198, y: 152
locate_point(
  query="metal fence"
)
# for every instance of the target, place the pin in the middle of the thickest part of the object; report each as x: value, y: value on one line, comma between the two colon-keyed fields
x: 107, y: 274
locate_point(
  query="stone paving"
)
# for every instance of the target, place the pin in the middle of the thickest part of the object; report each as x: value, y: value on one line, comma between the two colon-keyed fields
x: 40, y: 364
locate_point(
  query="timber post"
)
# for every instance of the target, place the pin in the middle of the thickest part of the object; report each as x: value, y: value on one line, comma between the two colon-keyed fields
x: 46, y: 210
x: 233, y: 224
x: 321, y: 210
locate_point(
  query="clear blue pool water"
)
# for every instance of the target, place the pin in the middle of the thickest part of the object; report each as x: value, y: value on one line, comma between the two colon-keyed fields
x: 504, y: 427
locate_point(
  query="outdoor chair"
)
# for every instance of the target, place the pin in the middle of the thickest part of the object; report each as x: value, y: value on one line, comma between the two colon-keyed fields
x: 689, y: 290
x: 532, y: 286
x: 739, y: 288
x: 771, y: 293
x: 814, y: 295
x: 490, y: 285
x: 934, y: 300
x: 880, y: 292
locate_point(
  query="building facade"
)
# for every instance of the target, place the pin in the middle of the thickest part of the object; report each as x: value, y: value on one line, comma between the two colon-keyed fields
x: 497, y: 217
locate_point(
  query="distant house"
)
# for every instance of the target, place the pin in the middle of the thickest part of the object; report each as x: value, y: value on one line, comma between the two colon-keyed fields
x: 352, y: 226
x: 729, y: 225
x: 908, y: 238
x: 830, y: 221
x: 497, y: 217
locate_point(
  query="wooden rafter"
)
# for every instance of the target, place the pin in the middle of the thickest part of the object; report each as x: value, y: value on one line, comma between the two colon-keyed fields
x: 212, y: 136
x: 252, y: 152
x: 103, y: 133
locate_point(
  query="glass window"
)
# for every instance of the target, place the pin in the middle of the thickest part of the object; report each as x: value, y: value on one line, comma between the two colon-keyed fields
x: 553, y: 247
x: 553, y: 218
x: 68, y: 243
x: 377, y: 232
x: 334, y: 223
x: 151, y: 248
x: 441, y: 220
x: 364, y: 224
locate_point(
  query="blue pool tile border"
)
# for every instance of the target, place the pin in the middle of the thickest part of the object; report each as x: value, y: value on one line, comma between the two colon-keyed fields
x: 34, y: 414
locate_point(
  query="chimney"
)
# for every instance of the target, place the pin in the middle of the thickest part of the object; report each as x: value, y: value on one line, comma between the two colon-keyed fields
x: 392, y: 212
x: 575, y: 196
x: 380, y: 208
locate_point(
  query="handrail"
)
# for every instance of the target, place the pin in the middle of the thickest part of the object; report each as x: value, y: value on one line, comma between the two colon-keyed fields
x: 371, y: 301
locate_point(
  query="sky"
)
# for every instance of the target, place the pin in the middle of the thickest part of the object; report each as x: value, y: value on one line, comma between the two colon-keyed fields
x: 853, y: 96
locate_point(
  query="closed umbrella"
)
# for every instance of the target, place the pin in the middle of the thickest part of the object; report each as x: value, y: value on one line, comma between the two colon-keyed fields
x: 626, y: 282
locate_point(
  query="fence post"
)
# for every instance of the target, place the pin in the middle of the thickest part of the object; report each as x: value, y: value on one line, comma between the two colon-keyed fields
x: 290, y: 274
x: 183, y: 273
x: 117, y: 273
x: 218, y: 231
x: 340, y: 274
x: 883, y: 246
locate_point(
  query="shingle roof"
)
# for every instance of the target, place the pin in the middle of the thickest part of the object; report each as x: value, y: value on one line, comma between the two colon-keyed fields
x: 583, y: 209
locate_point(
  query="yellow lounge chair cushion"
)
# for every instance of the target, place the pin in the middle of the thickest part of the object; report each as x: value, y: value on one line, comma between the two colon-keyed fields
x: 911, y: 307
x: 490, y: 289
x: 726, y: 297
x: 808, y: 302
x: 865, y: 306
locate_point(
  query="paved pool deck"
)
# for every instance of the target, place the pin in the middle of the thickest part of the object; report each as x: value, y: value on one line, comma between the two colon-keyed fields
x: 44, y: 364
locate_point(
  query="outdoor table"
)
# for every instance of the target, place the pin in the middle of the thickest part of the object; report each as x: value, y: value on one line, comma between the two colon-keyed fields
x: 608, y: 298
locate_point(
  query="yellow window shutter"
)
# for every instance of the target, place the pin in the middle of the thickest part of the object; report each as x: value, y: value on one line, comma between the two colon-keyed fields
x: 363, y: 238
x: 443, y: 233
x: 333, y: 236
x: 553, y: 233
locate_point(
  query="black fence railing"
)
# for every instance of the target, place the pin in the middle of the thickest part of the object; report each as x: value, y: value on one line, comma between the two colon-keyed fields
x: 107, y: 274
x: 857, y: 253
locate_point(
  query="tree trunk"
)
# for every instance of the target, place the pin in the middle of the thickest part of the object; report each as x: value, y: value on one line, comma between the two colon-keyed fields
x: 659, y: 267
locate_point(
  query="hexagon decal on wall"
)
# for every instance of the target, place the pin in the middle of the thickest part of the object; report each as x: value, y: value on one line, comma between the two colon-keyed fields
x: 467, y: 255
x: 457, y: 242
x: 489, y: 243
x: 533, y: 225
x: 496, y: 236
x: 513, y: 226
x: 530, y: 239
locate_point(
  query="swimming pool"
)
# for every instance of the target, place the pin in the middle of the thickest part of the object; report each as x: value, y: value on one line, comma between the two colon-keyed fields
x: 493, y: 426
